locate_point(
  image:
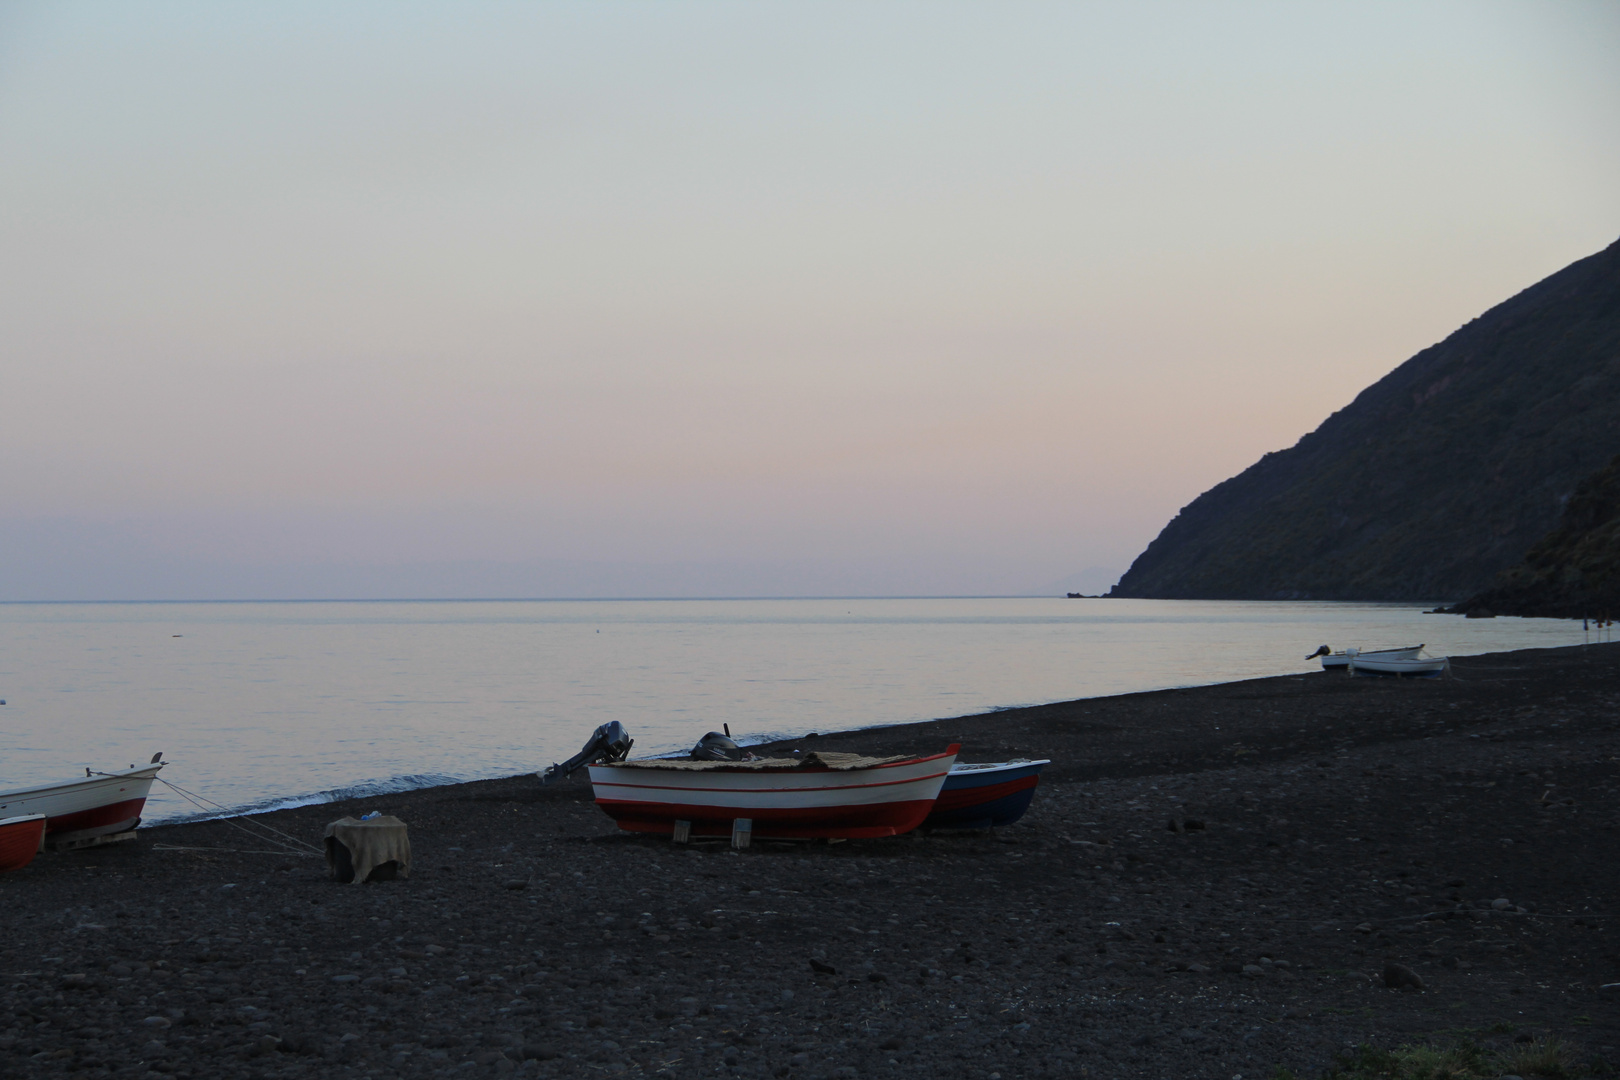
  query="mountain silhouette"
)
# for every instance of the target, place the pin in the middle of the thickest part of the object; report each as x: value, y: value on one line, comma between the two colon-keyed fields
x: 1434, y: 480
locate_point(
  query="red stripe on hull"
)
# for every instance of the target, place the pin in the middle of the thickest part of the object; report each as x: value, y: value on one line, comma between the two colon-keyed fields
x: 973, y: 796
x: 18, y: 844
x: 98, y: 821
x: 845, y: 822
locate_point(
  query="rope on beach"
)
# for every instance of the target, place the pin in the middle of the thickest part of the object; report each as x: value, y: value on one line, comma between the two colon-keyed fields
x: 288, y: 843
x: 227, y: 850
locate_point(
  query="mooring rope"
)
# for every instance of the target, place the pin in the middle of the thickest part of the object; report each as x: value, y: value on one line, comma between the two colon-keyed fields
x: 226, y: 850
x: 289, y: 843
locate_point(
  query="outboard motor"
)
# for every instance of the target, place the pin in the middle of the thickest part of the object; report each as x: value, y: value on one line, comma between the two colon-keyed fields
x: 610, y: 742
x: 717, y: 747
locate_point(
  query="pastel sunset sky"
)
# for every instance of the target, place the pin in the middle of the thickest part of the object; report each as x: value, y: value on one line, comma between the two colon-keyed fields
x: 638, y: 299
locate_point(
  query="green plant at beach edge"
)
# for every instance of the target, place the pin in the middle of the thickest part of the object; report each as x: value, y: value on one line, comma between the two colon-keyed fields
x: 1547, y: 1059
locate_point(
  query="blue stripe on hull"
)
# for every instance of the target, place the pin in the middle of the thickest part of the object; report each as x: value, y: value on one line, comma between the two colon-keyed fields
x: 957, y: 781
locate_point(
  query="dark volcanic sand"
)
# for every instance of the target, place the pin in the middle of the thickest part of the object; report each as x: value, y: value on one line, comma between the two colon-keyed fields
x: 1089, y: 940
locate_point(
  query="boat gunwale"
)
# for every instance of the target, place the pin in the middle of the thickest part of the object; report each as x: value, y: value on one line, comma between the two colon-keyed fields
x: 1416, y: 663
x: 653, y: 765
x: 4, y: 822
x: 773, y: 790
x: 97, y: 780
x: 974, y: 768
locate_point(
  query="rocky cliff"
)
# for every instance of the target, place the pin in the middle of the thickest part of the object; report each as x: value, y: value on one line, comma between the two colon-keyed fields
x: 1573, y: 572
x: 1434, y: 480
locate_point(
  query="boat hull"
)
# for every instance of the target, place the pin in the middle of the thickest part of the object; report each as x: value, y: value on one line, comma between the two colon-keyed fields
x: 1412, y: 668
x: 1340, y: 661
x: 21, y: 837
x: 815, y: 803
x: 84, y: 809
x: 985, y: 796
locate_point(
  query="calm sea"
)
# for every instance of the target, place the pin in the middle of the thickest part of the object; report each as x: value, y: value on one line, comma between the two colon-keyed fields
x: 267, y: 704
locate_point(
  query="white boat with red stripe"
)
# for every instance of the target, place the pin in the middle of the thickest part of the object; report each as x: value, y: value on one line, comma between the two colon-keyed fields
x: 91, y: 809
x: 821, y: 795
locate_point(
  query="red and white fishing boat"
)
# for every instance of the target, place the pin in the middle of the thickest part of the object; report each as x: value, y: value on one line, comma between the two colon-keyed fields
x: 101, y: 804
x: 819, y: 795
x: 21, y: 837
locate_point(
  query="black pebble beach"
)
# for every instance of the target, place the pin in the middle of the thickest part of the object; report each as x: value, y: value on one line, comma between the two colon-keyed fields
x: 1211, y: 882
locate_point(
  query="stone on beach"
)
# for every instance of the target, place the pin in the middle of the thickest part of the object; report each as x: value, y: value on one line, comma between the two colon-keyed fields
x: 1398, y: 976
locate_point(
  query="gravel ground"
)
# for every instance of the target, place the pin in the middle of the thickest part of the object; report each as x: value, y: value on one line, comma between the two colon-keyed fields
x: 1210, y: 883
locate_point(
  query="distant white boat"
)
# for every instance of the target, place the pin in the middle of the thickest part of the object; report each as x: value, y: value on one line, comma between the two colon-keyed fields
x: 1410, y: 667
x: 1338, y: 661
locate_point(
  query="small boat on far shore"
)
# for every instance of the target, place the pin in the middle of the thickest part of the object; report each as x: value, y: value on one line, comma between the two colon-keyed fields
x: 1339, y: 661
x: 1405, y: 667
x: 91, y: 809
x: 984, y: 796
x: 21, y: 837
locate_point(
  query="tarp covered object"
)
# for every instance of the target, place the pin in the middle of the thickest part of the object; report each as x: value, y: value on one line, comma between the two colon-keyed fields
x: 370, y: 844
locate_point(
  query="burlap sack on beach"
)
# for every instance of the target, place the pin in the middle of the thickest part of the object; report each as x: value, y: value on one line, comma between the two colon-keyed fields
x: 816, y: 759
x: 370, y: 844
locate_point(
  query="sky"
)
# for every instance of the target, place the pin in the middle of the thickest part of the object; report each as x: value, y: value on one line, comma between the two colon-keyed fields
x: 730, y: 299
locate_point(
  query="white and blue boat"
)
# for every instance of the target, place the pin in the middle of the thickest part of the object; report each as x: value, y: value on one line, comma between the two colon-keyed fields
x: 1402, y: 667
x: 985, y: 796
x: 1340, y: 661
